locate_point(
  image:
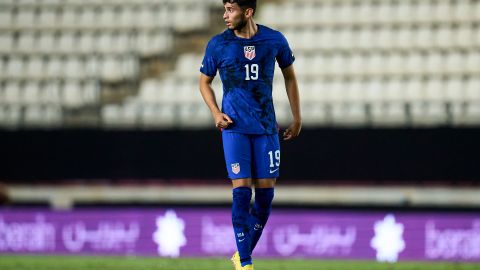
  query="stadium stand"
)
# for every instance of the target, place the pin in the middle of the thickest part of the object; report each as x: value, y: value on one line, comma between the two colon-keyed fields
x: 360, y: 63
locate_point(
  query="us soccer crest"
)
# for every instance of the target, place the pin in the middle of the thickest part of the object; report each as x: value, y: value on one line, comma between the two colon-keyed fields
x: 249, y: 52
x: 235, y: 168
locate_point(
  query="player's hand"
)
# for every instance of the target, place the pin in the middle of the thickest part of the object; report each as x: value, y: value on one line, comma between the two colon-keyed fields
x: 222, y: 120
x: 292, y: 131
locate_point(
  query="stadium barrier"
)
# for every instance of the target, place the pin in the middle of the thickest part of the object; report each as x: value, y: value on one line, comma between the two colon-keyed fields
x: 207, y: 232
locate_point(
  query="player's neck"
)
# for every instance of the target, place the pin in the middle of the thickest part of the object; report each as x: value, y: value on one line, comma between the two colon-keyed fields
x: 248, y: 31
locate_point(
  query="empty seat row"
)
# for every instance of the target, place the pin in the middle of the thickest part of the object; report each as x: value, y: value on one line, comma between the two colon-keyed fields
x: 31, y: 116
x: 388, y: 64
x: 354, y: 12
x: 107, y: 67
x: 384, y: 38
x: 173, y: 91
x: 134, y: 114
x: 396, y: 63
x: 74, y: 42
x: 411, y: 90
x: 391, y: 114
x: 71, y: 94
x: 178, y: 17
x: 53, y: 3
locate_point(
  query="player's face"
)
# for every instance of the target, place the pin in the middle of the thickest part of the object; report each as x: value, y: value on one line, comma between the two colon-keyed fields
x: 234, y: 16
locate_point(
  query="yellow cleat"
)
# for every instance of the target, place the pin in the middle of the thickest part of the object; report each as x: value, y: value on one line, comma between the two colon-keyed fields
x: 237, y: 264
x: 236, y: 261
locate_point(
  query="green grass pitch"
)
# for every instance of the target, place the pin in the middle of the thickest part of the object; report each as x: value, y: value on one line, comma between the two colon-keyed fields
x: 141, y: 263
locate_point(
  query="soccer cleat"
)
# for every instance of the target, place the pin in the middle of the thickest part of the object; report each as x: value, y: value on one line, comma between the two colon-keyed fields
x: 237, y: 264
x: 236, y: 261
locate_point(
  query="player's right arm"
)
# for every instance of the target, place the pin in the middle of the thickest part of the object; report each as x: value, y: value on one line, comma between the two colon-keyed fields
x: 221, y: 120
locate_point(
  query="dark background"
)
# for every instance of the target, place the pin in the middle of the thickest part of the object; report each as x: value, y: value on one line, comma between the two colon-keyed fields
x: 412, y: 156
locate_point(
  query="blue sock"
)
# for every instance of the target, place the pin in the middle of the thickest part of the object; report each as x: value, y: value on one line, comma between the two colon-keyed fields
x: 260, y: 213
x: 240, y: 220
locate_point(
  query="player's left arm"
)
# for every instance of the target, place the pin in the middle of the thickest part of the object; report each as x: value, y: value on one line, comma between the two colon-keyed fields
x: 294, y: 98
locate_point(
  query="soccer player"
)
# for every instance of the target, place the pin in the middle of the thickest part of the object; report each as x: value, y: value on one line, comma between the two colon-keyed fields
x: 245, y: 55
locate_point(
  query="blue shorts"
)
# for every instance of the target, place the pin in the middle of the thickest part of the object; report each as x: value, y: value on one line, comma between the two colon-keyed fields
x: 251, y: 155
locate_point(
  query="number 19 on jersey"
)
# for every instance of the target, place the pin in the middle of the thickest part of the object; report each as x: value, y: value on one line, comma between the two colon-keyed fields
x: 251, y: 72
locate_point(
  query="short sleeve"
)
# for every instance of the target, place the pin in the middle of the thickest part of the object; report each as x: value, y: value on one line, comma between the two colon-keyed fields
x: 285, y: 55
x: 209, y: 64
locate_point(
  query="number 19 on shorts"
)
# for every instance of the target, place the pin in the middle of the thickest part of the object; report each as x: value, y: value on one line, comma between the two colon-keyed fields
x: 274, y: 158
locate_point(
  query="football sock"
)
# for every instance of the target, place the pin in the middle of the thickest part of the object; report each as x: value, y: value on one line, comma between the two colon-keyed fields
x: 240, y: 221
x: 260, y: 213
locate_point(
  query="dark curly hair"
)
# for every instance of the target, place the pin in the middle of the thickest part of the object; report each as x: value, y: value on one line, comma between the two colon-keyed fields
x: 243, y: 3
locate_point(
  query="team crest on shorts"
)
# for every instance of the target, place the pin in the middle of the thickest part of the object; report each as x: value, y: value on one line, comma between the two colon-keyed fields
x: 249, y: 52
x: 235, y: 168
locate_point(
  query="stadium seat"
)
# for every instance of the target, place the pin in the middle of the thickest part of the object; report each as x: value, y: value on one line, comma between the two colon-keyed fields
x: 91, y: 93
x: 472, y: 62
x: 188, y: 64
x: 6, y: 42
x: 69, y: 17
x: 88, y: 42
x: 6, y: 17
x: 51, y: 93
x: 434, y: 90
x: 107, y: 17
x: 111, y: 68
x: 10, y: 116
x: 394, y: 90
x: 47, y: 18
x: 47, y: 42
x: 11, y: 93
x: 314, y: 114
x: 472, y: 114
x: 72, y: 94
x: 442, y: 11
x: 455, y: 89
x: 463, y: 12
x: 92, y: 67
x: 350, y: 114
x: 423, y: 37
x: 464, y: 37
x: 372, y: 91
x: 30, y: 93
x: 25, y: 17
x: 443, y: 37
x: 388, y: 114
x: 428, y: 113
x: 155, y: 115
x: 67, y: 42
x: 187, y: 92
x: 87, y: 18
x: 194, y: 115
x: 15, y: 67
x: 35, y: 67
x: 434, y: 63
x: 472, y: 89
x: 55, y: 68
x: 149, y: 90
x: 26, y: 42
x: 413, y: 90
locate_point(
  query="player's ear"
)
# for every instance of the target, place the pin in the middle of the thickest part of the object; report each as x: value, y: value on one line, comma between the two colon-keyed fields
x: 249, y: 12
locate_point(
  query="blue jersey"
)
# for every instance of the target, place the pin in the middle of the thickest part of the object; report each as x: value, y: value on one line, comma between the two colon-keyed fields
x: 246, y: 68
